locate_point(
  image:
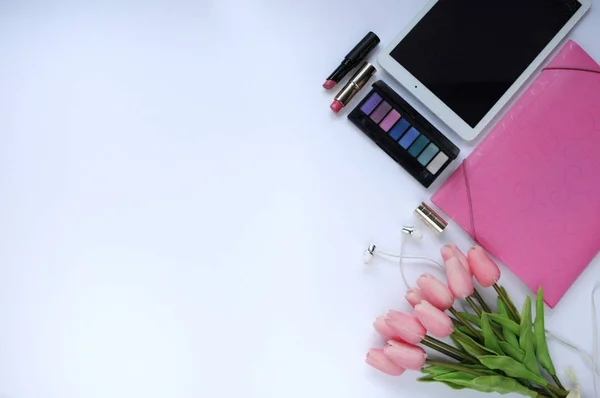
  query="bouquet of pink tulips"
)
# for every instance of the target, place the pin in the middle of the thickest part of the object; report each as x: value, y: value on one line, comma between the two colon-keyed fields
x: 502, y: 351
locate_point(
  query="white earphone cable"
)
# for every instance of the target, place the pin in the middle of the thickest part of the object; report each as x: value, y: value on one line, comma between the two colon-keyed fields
x: 593, y: 359
x: 399, y: 258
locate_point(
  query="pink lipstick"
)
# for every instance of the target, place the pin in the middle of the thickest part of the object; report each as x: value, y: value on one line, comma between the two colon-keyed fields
x: 356, y: 83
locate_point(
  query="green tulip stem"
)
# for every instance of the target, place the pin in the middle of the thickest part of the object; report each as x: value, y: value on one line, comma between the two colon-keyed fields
x: 464, y: 321
x: 441, y: 350
x: 558, y: 383
x: 447, y: 349
x: 481, y: 301
x: 474, y: 306
x: 553, y: 395
x: 511, y: 310
x: 556, y: 391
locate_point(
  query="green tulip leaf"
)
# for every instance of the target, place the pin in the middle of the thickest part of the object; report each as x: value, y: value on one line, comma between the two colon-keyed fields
x: 488, y: 384
x: 505, y: 323
x: 431, y: 379
x: 458, y: 344
x: 480, y: 369
x: 490, y: 339
x: 509, y: 337
x: 530, y: 360
x: 467, y: 331
x: 474, y: 319
x: 525, y: 318
x: 470, y: 345
x: 526, y: 338
x: 456, y: 376
x: 434, y: 370
x: 514, y: 352
x: 512, y: 368
x: 502, y: 308
x: 539, y: 328
x: 502, y: 385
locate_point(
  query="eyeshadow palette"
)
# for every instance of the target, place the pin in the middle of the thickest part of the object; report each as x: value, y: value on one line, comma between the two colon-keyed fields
x: 405, y: 135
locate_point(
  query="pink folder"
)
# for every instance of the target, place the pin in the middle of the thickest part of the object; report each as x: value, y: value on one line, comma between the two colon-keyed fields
x: 530, y: 192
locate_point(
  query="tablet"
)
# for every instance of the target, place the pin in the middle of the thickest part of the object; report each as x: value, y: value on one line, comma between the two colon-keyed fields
x: 465, y: 59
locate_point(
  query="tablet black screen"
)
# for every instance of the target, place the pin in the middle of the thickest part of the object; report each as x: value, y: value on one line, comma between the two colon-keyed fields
x: 470, y: 52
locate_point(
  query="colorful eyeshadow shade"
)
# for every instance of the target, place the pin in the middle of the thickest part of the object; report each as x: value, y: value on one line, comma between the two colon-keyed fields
x: 403, y: 134
x: 399, y: 129
x: 390, y: 120
x: 380, y: 112
x: 428, y: 154
x: 437, y: 163
x: 371, y: 104
x: 410, y: 137
x: 420, y: 144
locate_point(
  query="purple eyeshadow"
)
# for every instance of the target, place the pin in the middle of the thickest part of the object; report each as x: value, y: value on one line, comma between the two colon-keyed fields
x: 371, y: 104
x: 380, y: 112
x: 390, y: 120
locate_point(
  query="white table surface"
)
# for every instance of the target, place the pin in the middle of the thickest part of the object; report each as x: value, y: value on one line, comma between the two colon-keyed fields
x: 182, y: 215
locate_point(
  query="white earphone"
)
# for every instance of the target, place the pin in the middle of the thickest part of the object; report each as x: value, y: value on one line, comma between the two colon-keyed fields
x: 411, y: 232
x: 370, y: 252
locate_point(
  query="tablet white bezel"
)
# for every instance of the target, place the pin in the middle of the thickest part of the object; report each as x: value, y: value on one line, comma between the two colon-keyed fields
x: 437, y: 106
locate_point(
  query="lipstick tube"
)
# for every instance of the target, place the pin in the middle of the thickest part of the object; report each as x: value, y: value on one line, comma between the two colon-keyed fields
x: 432, y: 219
x: 356, y: 83
x: 352, y: 59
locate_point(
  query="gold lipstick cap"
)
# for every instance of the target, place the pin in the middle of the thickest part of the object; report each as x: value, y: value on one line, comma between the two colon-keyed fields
x: 432, y: 219
x: 356, y: 83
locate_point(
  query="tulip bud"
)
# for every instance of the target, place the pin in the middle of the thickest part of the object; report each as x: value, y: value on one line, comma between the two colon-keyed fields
x: 377, y: 359
x: 383, y: 329
x: 414, y: 296
x: 435, y: 292
x: 459, y: 280
x: 434, y: 320
x: 405, y: 355
x: 406, y: 327
x: 452, y: 250
x: 486, y: 271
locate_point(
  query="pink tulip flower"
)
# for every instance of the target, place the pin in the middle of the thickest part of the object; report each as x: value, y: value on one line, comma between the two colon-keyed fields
x: 459, y: 280
x: 383, y: 329
x: 452, y: 250
x: 377, y: 359
x: 486, y: 271
x: 407, y: 356
x: 414, y: 296
x: 405, y: 326
x: 435, y: 292
x: 434, y: 320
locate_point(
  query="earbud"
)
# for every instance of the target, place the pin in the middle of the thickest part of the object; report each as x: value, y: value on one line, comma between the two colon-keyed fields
x: 369, y: 254
x: 412, y: 232
x: 409, y: 231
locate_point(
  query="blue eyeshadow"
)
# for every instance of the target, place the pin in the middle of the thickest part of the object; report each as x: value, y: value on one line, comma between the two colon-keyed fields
x: 420, y: 144
x: 410, y: 137
x: 428, y: 154
x: 399, y: 129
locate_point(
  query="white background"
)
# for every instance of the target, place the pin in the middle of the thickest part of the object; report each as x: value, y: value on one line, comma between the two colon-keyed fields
x: 182, y: 216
